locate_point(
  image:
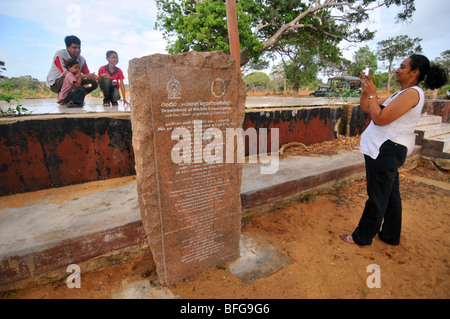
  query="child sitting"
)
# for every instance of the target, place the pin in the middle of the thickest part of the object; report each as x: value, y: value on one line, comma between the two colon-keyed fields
x: 110, y: 79
x: 72, y: 92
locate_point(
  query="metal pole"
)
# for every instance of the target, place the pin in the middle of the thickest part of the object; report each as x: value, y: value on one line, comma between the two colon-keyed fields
x: 233, y: 33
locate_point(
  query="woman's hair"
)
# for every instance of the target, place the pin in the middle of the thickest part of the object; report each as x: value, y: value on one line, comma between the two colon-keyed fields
x: 108, y: 54
x: 433, y: 75
x: 70, y: 63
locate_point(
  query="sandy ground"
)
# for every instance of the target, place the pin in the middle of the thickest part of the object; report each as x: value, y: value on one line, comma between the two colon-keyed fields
x: 323, y: 265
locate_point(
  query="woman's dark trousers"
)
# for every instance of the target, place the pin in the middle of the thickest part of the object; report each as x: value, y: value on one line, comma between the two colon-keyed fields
x: 384, y: 197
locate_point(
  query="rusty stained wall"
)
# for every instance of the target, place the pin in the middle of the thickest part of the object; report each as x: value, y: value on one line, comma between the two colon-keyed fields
x: 358, y: 121
x: 304, y: 125
x: 38, y: 154
x: 439, y: 107
x: 57, y: 151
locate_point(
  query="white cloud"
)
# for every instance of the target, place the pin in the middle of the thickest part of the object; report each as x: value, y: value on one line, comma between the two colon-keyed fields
x: 124, y: 26
x: 90, y: 20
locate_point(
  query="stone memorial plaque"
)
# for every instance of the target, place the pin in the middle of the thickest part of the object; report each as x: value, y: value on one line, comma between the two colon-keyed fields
x: 186, y: 110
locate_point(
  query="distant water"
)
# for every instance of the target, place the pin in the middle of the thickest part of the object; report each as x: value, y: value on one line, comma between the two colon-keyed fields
x: 49, y: 105
x: 92, y: 104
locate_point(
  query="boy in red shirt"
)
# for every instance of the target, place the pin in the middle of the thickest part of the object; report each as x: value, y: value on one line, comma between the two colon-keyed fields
x: 111, y: 79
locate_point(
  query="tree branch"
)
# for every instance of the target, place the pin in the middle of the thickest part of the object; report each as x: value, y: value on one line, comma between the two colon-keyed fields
x: 261, y: 26
x: 311, y: 11
x: 185, y: 9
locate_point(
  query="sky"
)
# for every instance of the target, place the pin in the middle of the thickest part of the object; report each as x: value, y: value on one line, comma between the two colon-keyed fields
x: 32, y: 31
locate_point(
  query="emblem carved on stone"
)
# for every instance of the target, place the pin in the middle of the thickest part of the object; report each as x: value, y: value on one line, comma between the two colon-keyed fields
x: 218, y: 87
x: 173, y: 89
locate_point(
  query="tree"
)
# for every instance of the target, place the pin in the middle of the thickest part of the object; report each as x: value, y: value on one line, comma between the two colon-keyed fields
x: 7, y: 86
x: 331, y: 69
x: 444, y: 60
x: 394, y: 48
x: 278, y: 78
x: 2, y: 68
x: 361, y: 58
x: 303, y: 55
x: 200, y: 25
x: 257, y: 81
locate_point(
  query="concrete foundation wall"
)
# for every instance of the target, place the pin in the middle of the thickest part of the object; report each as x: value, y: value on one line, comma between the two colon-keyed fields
x: 39, y: 152
x: 43, y: 152
x: 439, y: 107
x: 304, y: 125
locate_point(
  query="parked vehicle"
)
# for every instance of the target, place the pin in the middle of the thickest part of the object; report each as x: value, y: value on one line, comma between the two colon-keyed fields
x: 340, y: 86
x: 321, y: 91
x: 350, y: 85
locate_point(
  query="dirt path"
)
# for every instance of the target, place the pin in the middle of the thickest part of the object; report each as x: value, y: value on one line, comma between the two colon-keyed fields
x: 323, y: 265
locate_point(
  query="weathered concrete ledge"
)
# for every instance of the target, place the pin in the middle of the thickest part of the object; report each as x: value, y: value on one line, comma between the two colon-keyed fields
x: 40, y: 238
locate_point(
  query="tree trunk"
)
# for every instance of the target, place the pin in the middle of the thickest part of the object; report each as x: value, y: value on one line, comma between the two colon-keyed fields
x: 389, y: 76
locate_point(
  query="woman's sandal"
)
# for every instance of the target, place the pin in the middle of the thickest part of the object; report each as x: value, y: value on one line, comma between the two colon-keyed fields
x: 347, y: 238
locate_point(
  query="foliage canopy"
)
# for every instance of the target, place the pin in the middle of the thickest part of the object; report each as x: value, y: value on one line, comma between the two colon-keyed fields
x: 394, y: 48
x: 266, y: 25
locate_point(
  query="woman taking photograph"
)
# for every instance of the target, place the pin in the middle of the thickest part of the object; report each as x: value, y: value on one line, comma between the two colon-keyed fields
x: 386, y: 143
